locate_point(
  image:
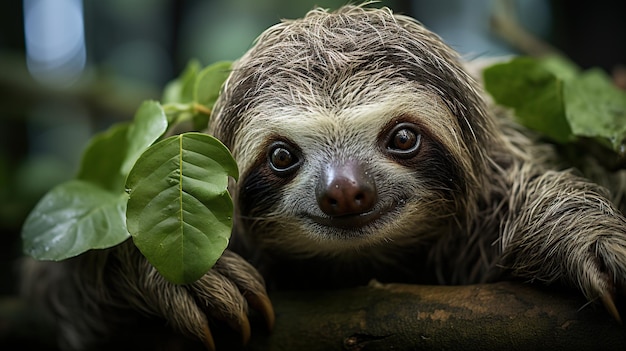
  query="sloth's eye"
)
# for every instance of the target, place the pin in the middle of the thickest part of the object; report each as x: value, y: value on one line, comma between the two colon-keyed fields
x: 403, y: 140
x: 282, y: 158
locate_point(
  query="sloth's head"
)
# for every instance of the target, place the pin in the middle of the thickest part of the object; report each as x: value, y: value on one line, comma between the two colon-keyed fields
x: 351, y: 129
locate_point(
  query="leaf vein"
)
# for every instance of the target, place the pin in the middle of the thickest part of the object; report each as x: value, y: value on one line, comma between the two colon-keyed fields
x: 180, y: 195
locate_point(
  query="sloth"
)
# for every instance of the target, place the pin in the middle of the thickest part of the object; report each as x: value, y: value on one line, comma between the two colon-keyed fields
x: 367, y: 151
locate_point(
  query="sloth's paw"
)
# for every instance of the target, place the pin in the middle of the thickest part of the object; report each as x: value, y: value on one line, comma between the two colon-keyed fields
x: 225, y: 294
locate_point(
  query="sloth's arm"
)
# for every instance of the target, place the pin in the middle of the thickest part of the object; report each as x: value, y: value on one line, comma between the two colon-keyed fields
x: 563, y: 228
x: 105, y: 294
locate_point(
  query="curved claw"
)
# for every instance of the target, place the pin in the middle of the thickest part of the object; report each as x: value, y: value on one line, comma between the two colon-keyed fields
x: 608, y: 271
x: 609, y: 304
x: 226, y: 293
x: 262, y: 304
x: 241, y: 325
x: 208, y: 341
x: 249, y: 282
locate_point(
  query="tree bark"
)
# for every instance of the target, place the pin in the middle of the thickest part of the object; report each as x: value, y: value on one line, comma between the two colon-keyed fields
x: 499, y: 316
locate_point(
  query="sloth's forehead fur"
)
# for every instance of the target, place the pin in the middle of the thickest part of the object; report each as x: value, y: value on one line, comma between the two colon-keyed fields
x: 351, y: 70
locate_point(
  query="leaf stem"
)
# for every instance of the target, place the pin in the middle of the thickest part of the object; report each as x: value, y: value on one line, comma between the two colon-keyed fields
x: 177, y: 107
x: 202, y: 109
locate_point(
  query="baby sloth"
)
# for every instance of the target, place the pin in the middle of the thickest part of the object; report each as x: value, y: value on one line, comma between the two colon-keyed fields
x: 366, y: 151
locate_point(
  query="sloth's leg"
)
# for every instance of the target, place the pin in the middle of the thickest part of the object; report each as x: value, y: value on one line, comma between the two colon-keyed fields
x: 563, y: 228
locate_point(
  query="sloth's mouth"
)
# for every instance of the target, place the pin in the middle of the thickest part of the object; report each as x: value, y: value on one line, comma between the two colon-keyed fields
x: 354, y: 221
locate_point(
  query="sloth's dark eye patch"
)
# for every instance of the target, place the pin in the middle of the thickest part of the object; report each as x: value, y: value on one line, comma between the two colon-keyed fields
x: 283, y: 158
x: 403, y: 140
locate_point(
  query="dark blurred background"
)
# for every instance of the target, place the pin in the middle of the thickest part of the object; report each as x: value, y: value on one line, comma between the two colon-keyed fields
x: 70, y: 68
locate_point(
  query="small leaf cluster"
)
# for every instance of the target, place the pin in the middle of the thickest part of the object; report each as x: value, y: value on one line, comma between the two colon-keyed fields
x: 567, y: 105
x: 143, y: 180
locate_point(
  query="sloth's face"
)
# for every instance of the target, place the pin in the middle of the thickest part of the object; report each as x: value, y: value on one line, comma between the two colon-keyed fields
x: 318, y: 180
x: 350, y: 130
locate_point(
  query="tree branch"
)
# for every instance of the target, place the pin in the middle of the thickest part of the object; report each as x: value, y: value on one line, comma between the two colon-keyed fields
x: 504, y: 23
x: 500, y: 316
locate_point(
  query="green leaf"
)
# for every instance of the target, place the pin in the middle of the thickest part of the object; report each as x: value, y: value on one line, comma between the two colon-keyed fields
x: 595, y: 108
x: 180, y: 212
x: 181, y: 89
x: 209, y: 83
x: 102, y: 160
x: 110, y: 155
x: 72, y: 218
x: 561, y: 67
x: 534, y: 92
x: 149, y: 124
x: 207, y: 89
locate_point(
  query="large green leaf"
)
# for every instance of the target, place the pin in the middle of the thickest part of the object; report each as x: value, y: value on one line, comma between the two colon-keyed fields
x: 595, y: 108
x: 72, y: 218
x: 554, y: 97
x: 179, y: 211
x: 534, y: 92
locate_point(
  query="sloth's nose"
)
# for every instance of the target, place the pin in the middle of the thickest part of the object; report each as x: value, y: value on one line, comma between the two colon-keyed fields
x: 345, y: 189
